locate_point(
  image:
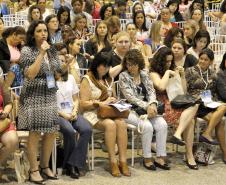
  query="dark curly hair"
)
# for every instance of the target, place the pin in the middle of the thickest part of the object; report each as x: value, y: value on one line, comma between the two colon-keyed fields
x: 133, y: 56
x: 103, y: 9
x: 31, y: 31
x: 158, y: 63
x: 171, y: 34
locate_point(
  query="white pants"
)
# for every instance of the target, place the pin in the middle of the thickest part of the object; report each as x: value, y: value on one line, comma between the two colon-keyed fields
x: 157, y: 124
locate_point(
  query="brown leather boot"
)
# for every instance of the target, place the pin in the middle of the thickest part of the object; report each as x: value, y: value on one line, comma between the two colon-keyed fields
x: 124, y: 169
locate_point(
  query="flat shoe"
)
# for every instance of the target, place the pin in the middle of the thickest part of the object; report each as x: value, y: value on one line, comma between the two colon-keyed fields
x: 205, y: 140
x: 176, y: 141
x: 164, y: 166
x: 152, y: 167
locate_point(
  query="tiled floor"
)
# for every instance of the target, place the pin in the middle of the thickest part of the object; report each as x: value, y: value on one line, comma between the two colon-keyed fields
x: 178, y: 175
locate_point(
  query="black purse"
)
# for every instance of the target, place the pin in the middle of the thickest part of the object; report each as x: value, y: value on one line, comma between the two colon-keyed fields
x: 140, y: 111
x: 183, y: 101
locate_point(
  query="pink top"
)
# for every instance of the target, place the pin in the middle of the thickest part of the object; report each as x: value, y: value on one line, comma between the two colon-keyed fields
x: 14, y: 53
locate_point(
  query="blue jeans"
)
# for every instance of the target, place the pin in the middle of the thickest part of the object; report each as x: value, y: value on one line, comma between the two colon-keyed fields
x: 75, y: 150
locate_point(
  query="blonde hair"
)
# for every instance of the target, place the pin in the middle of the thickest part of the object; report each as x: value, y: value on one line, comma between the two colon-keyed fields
x: 192, y: 23
x: 122, y: 33
x: 155, y: 31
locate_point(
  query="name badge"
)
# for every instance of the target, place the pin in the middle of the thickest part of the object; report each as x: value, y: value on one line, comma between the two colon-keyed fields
x: 66, y: 107
x: 206, y: 96
x: 50, y: 80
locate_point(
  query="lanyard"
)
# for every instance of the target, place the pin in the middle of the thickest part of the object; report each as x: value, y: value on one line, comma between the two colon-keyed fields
x: 207, y: 77
x: 47, y: 61
x: 109, y: 87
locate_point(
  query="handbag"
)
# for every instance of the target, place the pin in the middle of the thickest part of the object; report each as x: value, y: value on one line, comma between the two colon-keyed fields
x: 4, y: 124
x: 108, y: 111
x: 140, y: 111
x: 174, y: 87
x: 183, y: 101
x: 204, y: 153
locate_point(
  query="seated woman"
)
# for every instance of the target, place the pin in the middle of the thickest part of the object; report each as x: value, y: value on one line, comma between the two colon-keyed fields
x: 99, y: 40
x: 173, y: 6
x: 63, y: 16
x: 199, y: 79
x: 139, y: 20
x: 200, y: 42
x: 106, y: 11
x: 10, y: 53
x: 145, y: 49
x: 173, y: 33
x: 75, y: 148
x: 80, y: 29
x: 137, y: 88
x: 190, y: 30
x: 8, y: 137
x: 162, y: 69
x: 197, y: 15
x: 156, y: 36
x: 1, y: 27
x: 53, y: 26
x: 122, y: 45
x: 34, y: 14
x: 181, y: 58
x: 79, y: 61
x: 97, y: 88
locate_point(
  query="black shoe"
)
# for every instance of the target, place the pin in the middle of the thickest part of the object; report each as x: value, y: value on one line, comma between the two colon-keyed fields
x: 33, y: 181
x: 224, y: 161
x: 164, y: 167
x: 151, y: 167
x: 176, y: 141
x: 205, y: 140
x: 73, y: 172
x: 193, y: 167
x: 46, y: 176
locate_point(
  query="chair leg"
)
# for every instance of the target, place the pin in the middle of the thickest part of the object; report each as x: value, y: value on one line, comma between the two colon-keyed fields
x: 54, y: 157
x: 88, y: 156
x: 197, y: 131
x: 132, y: 160
x: 92, y: 152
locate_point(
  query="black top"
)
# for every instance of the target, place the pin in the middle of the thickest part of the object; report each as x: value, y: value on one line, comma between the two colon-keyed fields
x: 114, y: 60
x: 190, y: 61
x: 4, y: 56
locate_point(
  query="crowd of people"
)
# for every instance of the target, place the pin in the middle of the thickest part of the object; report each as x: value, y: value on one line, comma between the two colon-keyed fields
x: 78, y: 54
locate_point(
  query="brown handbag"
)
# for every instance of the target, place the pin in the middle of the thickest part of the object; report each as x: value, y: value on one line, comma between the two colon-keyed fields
x: 107, y: 111
x: 4, y: 124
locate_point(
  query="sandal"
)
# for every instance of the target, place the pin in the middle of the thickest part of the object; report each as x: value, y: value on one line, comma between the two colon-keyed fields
x: 33, y: 181
x: 46, y: 176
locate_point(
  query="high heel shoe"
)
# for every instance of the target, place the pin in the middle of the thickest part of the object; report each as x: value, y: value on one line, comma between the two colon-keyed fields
x: 46, y: 176
x: 115, y: 170
x: 193, y: 167
x: 124, y: 169
x: 33, y: 181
